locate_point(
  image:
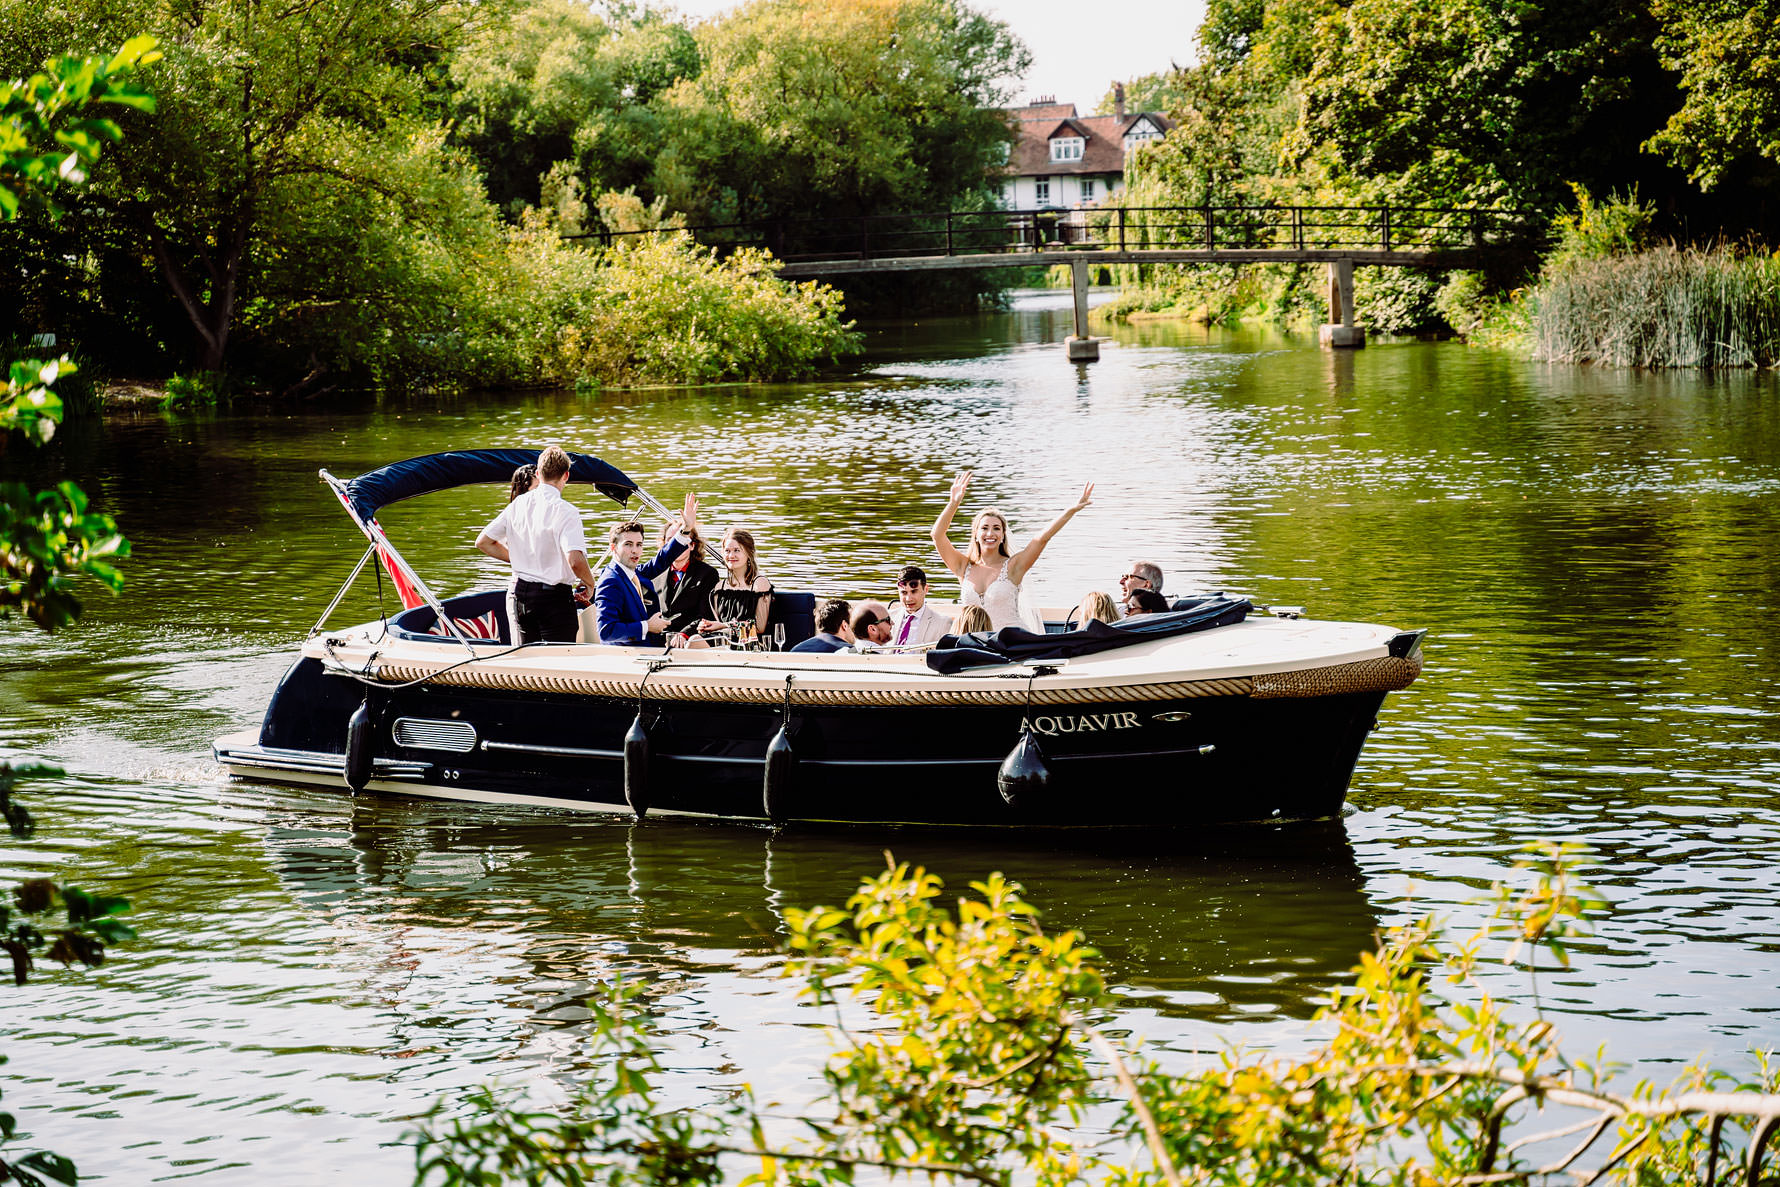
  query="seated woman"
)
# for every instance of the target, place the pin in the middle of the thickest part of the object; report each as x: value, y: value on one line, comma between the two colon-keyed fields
x: 971, y: 619
x: 743, y: 594
x: 685, y: 588
x: 1096, y: 607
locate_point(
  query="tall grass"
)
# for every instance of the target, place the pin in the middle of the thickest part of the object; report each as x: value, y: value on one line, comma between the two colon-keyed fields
x: 1666, y: 307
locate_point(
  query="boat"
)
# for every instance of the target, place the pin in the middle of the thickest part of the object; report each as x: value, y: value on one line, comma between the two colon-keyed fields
x: 1213, y: 713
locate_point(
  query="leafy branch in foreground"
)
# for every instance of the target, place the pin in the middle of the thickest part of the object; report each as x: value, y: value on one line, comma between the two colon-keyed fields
x: 971, y: 1049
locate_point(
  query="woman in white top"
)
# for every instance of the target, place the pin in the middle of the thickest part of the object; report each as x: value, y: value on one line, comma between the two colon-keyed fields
x: 989, y: 574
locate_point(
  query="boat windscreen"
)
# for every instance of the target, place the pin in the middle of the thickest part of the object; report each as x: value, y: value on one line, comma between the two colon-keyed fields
x: 464, y: 467
x: 1017, y: 645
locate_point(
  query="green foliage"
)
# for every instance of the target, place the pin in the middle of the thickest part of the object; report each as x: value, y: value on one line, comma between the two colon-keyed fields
x: 838, y: 107
x: 1482, y: 314
x: 1728, y: 55
x: 203, y: 389
x: 90, y: 922
x: 982, y: 1058
x: 52, y: 107
x: 1620, y: 226
x: 1397, y: 300
x: 665, y: 310
x: 1667, y: 307
x: 47, y: 539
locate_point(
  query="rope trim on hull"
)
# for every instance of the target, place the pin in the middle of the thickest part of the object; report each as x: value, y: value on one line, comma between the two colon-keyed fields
x: 1372, y: 675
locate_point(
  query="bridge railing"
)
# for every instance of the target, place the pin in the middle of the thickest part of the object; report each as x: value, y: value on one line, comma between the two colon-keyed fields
x: 1118, y: 229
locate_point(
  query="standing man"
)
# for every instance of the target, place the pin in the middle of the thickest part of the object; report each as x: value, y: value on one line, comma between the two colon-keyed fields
x: 1143, y: 575
x: 913, y: 622
x: 623, y: 601
x: 540, y: 534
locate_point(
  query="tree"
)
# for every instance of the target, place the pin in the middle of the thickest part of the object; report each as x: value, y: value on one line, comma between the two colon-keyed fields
x: 1483, y: 101
x: 268, y: 117
x: 1728, y: 55
x: 834, y: 108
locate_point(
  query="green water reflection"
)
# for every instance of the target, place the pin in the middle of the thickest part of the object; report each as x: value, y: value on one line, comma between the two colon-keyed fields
x: 1591, y: 551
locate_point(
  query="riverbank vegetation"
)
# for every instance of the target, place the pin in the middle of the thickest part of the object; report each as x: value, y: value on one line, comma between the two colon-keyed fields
x: 975, y: 1046
x: 357, y: 193
x: 1469, y: 103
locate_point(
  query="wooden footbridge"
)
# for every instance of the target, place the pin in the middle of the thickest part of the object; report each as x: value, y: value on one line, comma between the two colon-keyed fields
x: 1341, y: 237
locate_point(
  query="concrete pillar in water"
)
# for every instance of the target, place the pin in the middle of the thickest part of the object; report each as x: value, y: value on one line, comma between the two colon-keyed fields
x: 1081, y: 347
x: 1341, y: 331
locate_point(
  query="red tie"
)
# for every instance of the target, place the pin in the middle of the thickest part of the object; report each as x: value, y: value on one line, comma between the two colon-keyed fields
x: 902, y: 636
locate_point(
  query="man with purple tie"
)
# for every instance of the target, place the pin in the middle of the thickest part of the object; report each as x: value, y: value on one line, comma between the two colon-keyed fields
x: 621, y: 611
x: 913, y: 622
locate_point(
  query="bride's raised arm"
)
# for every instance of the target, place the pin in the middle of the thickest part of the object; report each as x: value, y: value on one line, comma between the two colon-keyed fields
x: 954, y: 560
x: 1028, y: 556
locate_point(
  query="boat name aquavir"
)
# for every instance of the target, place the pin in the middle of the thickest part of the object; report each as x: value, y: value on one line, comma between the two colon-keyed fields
x: 1082, y: 723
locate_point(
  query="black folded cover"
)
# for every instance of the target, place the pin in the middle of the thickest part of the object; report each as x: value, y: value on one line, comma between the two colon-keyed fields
x: 1017, y: 645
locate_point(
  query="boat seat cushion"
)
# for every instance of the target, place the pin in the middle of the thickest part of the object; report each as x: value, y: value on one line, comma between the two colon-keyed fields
x: 797, y: 611
x: 1017, y: 645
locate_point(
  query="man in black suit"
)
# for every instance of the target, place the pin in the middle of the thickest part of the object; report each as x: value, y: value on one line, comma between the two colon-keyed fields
x: 833, y: 632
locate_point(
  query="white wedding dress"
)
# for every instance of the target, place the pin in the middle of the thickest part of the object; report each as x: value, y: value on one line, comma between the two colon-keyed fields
x: 1001, y: 599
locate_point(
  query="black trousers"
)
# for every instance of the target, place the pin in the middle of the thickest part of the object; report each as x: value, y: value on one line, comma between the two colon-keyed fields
x: 546, y: 612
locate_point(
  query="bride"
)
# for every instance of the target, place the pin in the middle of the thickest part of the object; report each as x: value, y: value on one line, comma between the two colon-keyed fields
x: 990, y: 576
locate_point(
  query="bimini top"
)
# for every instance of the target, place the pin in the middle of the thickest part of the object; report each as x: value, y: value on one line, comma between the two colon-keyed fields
x: 464, y: 467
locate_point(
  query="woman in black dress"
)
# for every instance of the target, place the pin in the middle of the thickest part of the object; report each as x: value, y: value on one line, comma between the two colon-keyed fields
x: 686, y: 587
x: 744, y: 592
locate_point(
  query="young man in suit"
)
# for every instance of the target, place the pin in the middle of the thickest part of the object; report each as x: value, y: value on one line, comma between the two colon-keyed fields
x: 913, y: 621
x: 833, y: 632
x: 622, y: 612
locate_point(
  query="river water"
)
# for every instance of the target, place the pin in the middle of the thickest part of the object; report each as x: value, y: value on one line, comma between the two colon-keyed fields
x: 1592, y: 552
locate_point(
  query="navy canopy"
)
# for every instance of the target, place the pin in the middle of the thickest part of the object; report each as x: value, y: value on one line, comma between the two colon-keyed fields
x: 1016, y: 645
x: 464, y: 467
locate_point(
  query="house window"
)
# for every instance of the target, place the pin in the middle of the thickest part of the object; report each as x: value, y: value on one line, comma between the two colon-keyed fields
x: 1042, y: 196
x: 1067, y: 148
x: 1088, y: 189
x: 1141, y: 132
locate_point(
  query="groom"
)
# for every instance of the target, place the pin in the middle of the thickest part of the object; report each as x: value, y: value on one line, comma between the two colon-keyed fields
x: 621, y: 613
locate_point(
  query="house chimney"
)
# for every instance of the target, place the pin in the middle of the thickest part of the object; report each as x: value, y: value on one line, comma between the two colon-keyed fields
x: 1119, y: 101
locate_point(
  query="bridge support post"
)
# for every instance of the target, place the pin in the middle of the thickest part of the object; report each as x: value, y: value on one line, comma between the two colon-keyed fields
x: 1082, y: 348
x: 1341, y: 332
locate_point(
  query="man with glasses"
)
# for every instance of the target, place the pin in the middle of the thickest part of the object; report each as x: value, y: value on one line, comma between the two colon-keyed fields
x: 914, y: 622
x: 1143, y: 575
x: 871, y: 627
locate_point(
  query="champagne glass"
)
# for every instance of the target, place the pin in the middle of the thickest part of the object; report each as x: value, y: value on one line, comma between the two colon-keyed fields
x: 778, y: 636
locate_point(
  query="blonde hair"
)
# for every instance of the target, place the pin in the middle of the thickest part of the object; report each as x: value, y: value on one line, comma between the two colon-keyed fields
x: 1098, y: 607
x: 973, y: 554
x: 972, y: 619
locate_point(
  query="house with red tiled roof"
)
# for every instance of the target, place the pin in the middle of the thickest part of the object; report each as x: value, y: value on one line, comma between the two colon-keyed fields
x: 1064, y: 160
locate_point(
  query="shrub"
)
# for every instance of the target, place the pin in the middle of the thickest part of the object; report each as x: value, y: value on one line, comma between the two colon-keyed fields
x: 1668, y: 307
x: 985, y: 1051
x: 1619, y: 226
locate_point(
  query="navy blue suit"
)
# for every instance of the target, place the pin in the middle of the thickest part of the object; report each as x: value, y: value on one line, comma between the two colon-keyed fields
x: 822, y: 642
x: 620, y: 613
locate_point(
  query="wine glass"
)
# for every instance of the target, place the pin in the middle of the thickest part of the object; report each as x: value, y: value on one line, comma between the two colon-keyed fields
x: 778, y: 636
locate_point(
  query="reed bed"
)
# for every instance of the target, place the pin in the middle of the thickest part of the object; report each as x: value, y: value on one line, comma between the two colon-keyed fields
x: 1667, y: 307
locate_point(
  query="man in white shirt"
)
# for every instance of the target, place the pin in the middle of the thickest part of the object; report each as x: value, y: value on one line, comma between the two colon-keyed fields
x: 540, y: 534
x: 913, y: 621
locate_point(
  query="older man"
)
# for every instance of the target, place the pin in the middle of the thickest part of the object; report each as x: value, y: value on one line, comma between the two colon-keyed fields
x: 1143, y: 575
x: 871, y: 626
x: 540, y: 534
x: 912, y: 620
